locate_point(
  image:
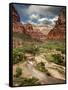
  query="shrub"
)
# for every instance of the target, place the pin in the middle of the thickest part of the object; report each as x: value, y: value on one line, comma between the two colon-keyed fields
x: 26, y: 81
x: 18, y: 72
x: 31, y: 49
x: 61, y: 49
x: 41, y: 67
x: 17, y: 56
x: 58, y: 59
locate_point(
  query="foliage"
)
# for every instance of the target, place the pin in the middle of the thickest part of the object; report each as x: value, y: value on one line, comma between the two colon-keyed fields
x: 33, y: 49
x: 61, y: 49
x: 26, y: 81
x: 58, y: 59
x: 18, y: 72
x: 17, y: 56
x: 41, y: 67
x: 22, y: 36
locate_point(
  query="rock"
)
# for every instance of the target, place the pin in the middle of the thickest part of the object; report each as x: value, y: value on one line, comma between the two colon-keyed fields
x: 15, y: 15
x: 58, y: 32
x: 17, y: 26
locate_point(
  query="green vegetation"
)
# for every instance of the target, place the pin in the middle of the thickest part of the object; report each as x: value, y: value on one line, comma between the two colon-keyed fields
x: 52, y: 44
x: 26, y: 81
x: 18, y: 72
x: 19, y: 53
x: 58, y: 59
x: 18, y: 56
x: 61, y: 49
x: 33, y: 49
x: 22, y: 36
x: 41, y: 67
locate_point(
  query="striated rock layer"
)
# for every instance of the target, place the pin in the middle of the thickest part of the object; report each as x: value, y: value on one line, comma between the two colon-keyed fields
x: 58, y: 32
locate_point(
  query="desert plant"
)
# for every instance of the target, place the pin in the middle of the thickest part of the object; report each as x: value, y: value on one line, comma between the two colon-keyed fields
x: 18, y: 71
x: 18, y: 56
x: 41, y: 67
x: 58, y: 59
x: 61, y: 49
x: 21, y: 81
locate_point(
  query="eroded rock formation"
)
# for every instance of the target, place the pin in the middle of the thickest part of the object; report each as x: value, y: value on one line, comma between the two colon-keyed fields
x: 58, y: 32
x: 17, y: 26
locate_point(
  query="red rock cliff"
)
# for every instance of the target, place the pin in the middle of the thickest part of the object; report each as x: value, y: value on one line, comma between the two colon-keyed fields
x: 17, y: 26
x: 58, y: 32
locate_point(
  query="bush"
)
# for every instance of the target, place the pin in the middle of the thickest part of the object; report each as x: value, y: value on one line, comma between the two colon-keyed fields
x: 17, y: 56
x: 18, y: 72
x: 33, y: 49
x: 41, y: 67
x: 58, y: 59
x: 26, y: 81
x: 61, y: 49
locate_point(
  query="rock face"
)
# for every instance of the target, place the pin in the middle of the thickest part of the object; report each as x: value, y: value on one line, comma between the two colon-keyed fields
x: 58, y: 32
x: 15, y: 15
x: 17, y: 26
x: 34, y: 33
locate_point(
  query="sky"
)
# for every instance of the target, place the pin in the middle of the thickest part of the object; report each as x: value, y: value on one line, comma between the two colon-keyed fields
x: 37, y: 15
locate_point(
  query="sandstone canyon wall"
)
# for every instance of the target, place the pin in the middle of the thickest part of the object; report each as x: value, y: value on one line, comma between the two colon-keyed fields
x: 17, y: 26
x: 58, y: 32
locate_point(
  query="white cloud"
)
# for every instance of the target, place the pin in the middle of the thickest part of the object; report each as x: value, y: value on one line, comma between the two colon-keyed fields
x: 42, y: 19
x: 34, y: 16
x: 48, y: 21
x: 32, y: 22
x: 37, y: 9
x: 54, y: 19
